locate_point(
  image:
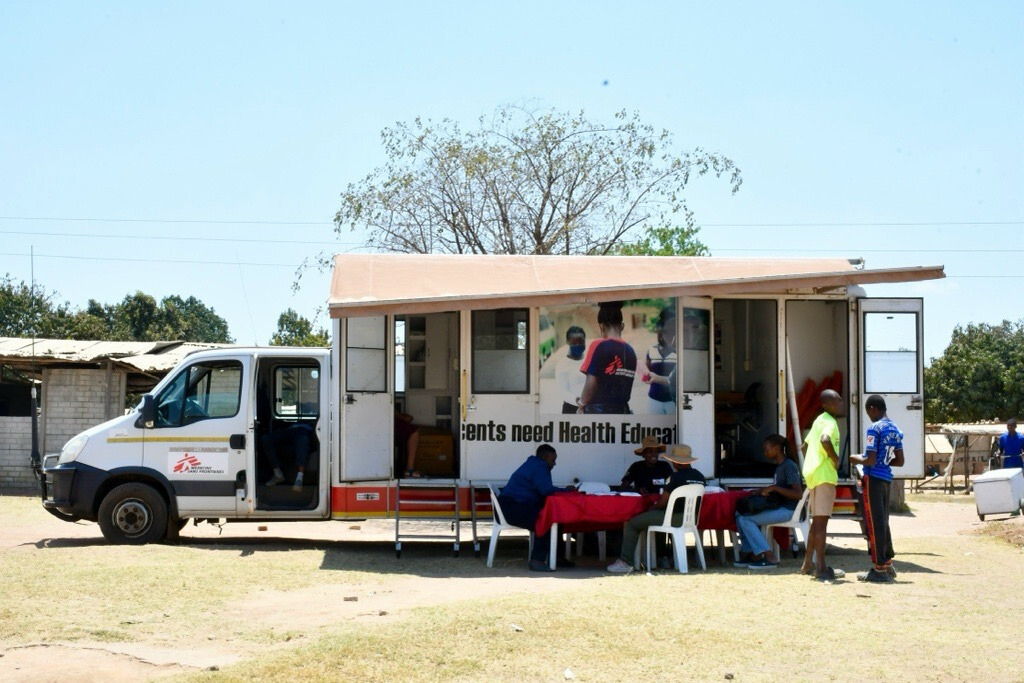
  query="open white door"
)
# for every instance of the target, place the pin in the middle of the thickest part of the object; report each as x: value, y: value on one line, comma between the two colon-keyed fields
x: 892, y: 366
x: 367, y: 413
x: 695, y: 398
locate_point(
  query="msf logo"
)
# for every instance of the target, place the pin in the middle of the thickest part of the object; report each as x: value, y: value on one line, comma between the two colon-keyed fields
x: 186, y: 463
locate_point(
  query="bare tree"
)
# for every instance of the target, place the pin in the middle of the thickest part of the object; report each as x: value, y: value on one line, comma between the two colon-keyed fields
x: 524, y: 182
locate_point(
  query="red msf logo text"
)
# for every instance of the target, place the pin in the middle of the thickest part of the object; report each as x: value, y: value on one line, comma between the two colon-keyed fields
x: 614, y: 366
x: 186, y: 463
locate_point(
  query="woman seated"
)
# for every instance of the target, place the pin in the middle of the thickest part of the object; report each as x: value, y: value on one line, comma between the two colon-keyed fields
x: 651, y: 474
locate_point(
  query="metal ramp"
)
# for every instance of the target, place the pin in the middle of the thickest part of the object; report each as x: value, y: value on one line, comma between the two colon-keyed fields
x: 427, y: 500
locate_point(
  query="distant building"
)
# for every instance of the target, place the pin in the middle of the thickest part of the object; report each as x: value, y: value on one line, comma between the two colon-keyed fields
x: 81, y: 383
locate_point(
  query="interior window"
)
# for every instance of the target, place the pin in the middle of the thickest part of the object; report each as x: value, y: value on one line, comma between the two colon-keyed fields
x: 200, y: 392
x: 890, y: 353
x: 500, y: 356
x: 366, y: 354
x: 297, y: 392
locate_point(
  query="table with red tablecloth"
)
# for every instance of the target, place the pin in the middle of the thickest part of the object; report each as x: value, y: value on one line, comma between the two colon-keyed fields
x: 575, y: 511
x: 578, y: 512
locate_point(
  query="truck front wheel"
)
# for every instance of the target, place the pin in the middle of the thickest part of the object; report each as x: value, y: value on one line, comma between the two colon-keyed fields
x: 133, y: 514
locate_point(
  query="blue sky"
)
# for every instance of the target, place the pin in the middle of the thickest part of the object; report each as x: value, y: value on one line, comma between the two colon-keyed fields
x: 862, y: 129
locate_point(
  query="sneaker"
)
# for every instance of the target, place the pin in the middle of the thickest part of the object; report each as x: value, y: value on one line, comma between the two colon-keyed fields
x: 827, y: 576
x: 875, y: 576
x: 763, y: 563
x: 620, y: 566
x: 297, y: 486
x: 276, y: 479
x: 540, y: 566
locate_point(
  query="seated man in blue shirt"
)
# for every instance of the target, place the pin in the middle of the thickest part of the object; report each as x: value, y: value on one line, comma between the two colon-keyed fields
x: 523, y: 498
x: 1010, y: 445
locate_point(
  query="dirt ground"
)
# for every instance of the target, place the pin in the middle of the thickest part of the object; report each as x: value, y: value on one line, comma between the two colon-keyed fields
x: 364, y: 596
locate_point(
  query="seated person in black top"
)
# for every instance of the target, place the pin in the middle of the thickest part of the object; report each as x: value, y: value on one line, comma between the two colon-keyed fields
x: 651, y: 474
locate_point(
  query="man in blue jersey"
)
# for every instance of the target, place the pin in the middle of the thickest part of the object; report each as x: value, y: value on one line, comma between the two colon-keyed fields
x: 1010, y: 445
x: 883, y: 450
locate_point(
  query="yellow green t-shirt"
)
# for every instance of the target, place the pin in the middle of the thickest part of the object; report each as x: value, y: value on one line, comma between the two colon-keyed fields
x: 818, y: 467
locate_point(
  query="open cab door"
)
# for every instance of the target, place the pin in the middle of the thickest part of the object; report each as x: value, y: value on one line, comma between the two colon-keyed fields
x: 891, y: 349
x: 367, y: 412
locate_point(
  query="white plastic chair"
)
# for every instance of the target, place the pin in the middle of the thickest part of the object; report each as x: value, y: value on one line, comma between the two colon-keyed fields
x: 691, y: 495
x: 797, y: 522
x: 498, y: 526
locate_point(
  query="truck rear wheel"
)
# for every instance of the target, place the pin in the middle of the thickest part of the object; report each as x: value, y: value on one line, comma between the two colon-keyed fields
x: 133, y: 514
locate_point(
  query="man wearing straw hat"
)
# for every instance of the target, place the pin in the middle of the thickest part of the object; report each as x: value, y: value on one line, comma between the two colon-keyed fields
x: 651, y: 474
x: 681, y: 459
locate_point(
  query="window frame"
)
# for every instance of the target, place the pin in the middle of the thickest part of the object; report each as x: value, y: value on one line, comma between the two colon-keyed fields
x: 474, y: 323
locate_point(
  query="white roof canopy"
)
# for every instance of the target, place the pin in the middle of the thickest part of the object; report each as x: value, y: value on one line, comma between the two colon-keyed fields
x: 367, y: 284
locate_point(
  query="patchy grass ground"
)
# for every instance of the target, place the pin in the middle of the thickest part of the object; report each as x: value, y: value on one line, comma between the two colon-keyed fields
x: 326, y: 601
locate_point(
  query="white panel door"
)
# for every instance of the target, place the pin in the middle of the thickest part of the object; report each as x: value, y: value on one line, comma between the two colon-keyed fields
x: 891, y: 344
x: 367, y: 422
x: 695, y: 398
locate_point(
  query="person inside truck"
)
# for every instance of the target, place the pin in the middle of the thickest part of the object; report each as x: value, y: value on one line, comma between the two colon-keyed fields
x: 297, y: 441
x: 523, y: 497
x: 407, y: 437
x: 660, y: 364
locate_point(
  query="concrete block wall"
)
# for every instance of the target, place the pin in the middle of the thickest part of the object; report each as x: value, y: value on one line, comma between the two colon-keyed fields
x: 75, y: 399
x: 15, y: 449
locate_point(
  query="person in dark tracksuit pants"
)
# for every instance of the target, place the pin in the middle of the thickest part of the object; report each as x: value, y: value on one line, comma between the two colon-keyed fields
x: 883, y: 450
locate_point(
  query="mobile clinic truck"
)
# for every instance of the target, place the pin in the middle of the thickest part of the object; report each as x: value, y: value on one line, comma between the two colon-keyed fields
x: 476, y: 349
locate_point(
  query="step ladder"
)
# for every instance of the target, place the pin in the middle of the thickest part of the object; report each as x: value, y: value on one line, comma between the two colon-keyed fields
x: 430, y: 499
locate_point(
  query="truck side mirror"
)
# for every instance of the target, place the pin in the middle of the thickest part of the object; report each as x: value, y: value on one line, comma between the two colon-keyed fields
x: 148, y: 411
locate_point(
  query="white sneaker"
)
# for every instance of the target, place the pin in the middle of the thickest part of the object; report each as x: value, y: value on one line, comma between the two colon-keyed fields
x: 297, y: 486
x: 620, y: 567
x: 275, y: 480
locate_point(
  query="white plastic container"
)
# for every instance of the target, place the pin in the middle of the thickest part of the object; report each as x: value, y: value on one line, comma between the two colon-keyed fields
x: 998, y: 491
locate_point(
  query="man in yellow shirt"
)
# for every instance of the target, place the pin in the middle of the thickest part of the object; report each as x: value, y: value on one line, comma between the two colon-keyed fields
x: 821, y: 466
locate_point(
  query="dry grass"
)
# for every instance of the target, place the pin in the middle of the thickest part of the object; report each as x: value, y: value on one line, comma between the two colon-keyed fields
x: 777, y: 626
x: 956, y: 594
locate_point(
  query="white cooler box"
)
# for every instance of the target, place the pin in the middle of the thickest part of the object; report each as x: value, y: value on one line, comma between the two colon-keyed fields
x: 998, y: 491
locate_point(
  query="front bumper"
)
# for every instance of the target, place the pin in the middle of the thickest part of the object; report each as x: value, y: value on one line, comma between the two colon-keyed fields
x: 71, y: 488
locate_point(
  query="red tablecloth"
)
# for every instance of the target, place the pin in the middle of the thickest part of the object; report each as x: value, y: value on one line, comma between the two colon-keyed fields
x: 581, y: 512
x: 718, y: 510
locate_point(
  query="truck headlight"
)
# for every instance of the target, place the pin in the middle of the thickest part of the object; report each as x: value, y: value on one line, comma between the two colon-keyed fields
x: 72, y: 449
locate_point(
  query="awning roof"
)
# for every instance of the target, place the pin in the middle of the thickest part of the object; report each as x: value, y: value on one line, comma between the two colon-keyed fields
x: 365, y: 284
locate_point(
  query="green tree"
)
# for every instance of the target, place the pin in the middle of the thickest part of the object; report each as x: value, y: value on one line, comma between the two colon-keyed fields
x: 656, y: 241
x: 138, y: 317
x: 524, y: 183
x: 295, y: 330
x: 980, y: 375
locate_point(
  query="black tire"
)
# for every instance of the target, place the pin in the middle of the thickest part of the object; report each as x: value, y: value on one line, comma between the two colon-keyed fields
x: 981, y: 517
x: 133, y: 514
